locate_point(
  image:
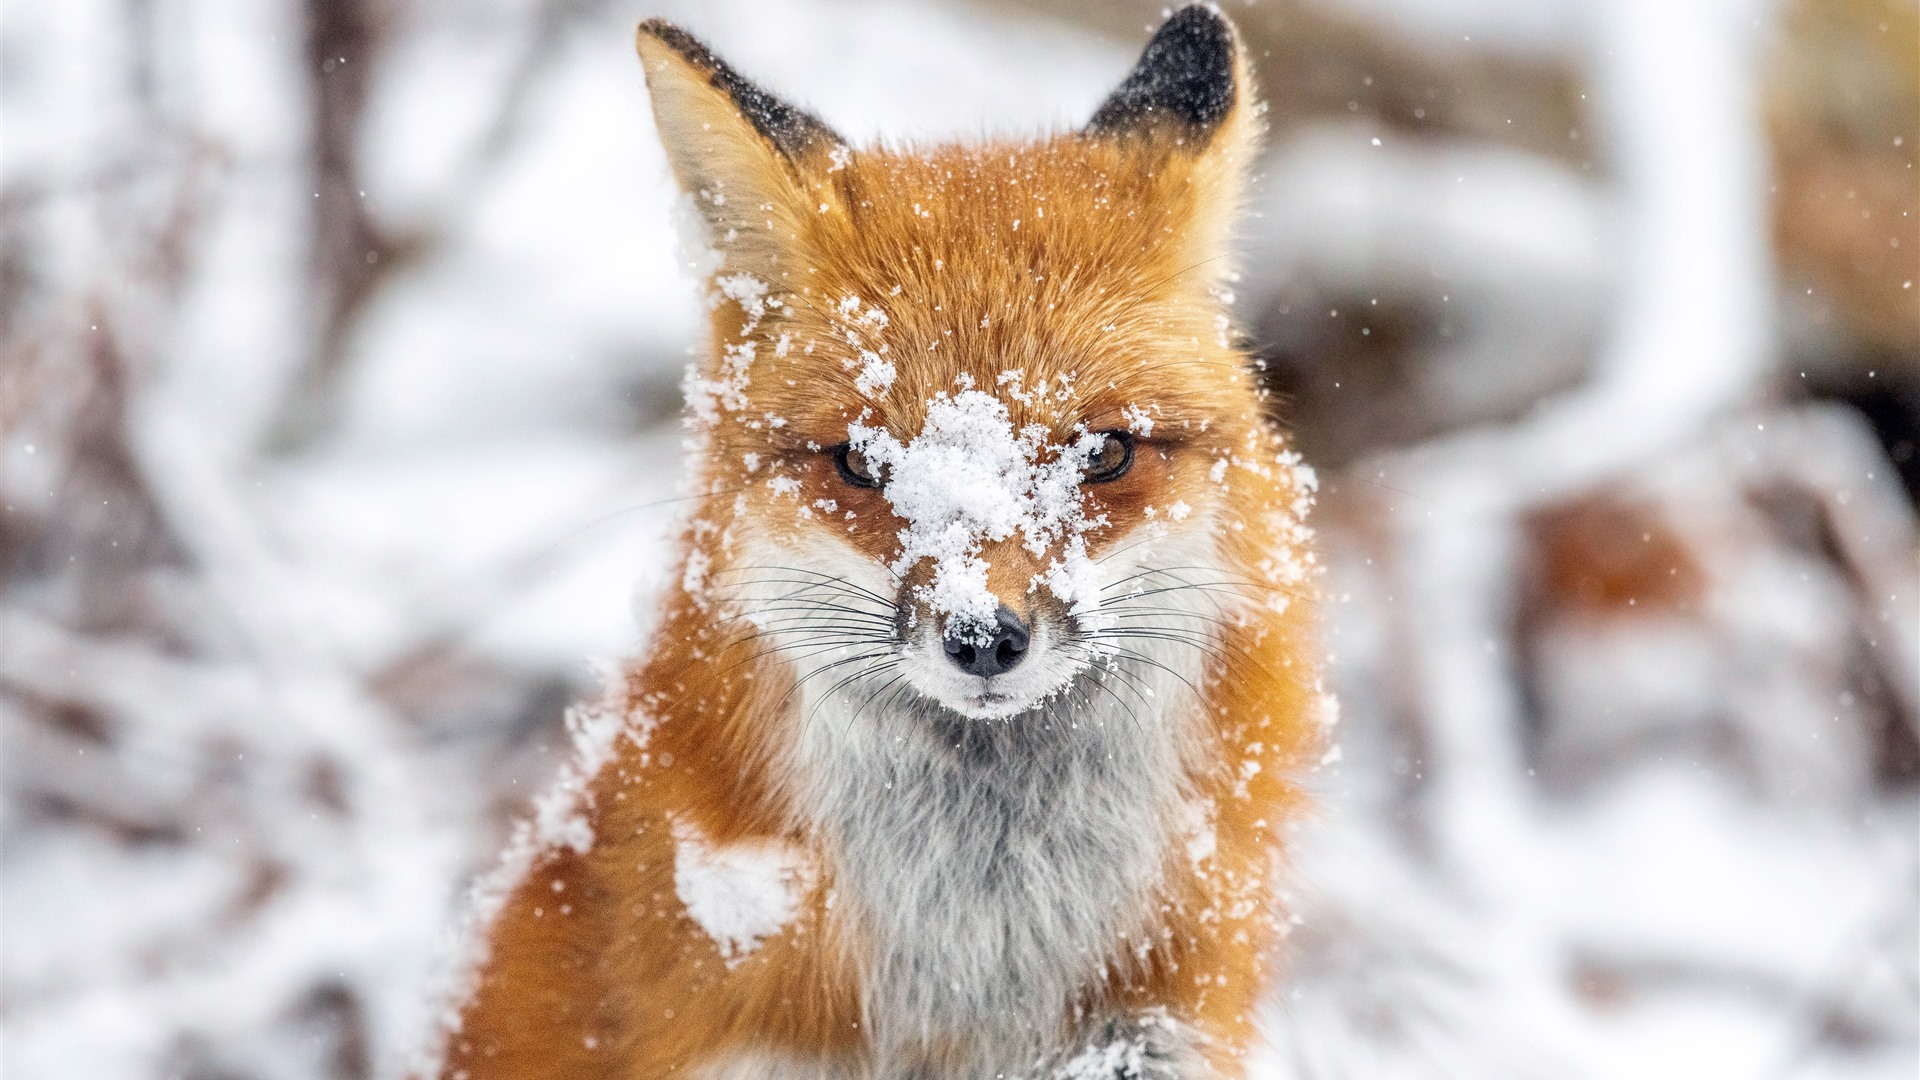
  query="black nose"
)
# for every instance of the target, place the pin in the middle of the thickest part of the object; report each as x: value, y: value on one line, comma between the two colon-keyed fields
x: 988, y: 650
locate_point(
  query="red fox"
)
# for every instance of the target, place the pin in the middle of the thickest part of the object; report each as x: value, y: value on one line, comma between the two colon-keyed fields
x: 978, y: 713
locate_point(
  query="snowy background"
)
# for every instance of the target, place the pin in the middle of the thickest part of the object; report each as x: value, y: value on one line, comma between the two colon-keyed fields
x: 338, y: 432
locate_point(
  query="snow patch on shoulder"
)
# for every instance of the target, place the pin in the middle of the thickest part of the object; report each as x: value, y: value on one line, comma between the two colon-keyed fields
x: 740, y: 894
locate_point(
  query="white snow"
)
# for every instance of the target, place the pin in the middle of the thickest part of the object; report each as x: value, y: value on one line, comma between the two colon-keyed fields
x: 1201, y: 838
x: 1125, y: 1055
x: 559, y: 820
x: 968, y: 479
x: 876, y: 376
x: 740, y: 894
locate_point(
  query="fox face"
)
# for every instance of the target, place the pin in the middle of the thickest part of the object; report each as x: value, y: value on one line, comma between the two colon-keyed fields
x: 968, y: 404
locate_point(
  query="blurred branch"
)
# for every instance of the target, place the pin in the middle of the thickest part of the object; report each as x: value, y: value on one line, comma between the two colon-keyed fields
x: 351, y: 254
x: 354, y: 254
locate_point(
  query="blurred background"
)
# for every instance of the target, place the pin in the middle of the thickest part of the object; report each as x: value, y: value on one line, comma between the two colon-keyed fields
x: 338, y: 432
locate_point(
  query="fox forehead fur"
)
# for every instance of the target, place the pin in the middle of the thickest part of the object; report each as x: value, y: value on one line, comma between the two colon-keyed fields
x: 1087, y: 267
x: 830, y: 838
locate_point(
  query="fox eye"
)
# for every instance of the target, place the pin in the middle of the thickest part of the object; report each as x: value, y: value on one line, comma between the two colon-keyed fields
x: 1111, y: 459
x: 854, y: 467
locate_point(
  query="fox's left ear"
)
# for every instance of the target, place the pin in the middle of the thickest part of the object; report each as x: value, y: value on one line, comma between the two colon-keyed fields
x: 1191, y: 95
x: 750, y: 160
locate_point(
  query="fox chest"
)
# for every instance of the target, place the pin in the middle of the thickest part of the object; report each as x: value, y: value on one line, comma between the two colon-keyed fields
x: 994, y: 872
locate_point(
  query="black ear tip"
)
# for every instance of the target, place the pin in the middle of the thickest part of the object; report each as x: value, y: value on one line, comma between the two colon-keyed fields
x: 1186, y: 74
x: 1204, y: 18
x: 658, y: 27
x: 792, y: 130
x: 689, y: 47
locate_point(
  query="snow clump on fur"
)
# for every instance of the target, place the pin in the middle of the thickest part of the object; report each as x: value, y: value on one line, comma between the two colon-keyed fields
x: 969, y: 479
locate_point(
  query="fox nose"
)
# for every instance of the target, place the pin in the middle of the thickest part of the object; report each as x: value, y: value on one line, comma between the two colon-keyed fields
x: 988, y: 650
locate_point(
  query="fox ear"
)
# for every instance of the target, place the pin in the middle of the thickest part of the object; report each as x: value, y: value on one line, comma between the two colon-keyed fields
x: 747, y: 158
x: 1189, y: 78
x: 1191, y: 94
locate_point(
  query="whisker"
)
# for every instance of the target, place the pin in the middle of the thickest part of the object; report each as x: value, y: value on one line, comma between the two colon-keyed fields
x: 829, y: 666
x: 1128, y: 611
x: 825, y: 579
x: 1099, y: 669
x: 1132, y: 716
x: 893, y: 700
x: 1225, y: 577
x: 1129, y: 547
x: 1145, y: 659
x: 803, y: 589
x: 1225, y: 651
x: 790, y: 602
x: 808, y: 654
x: 1227, y: 588
x: 1148, y: 572
x: 809, y: 581
x: 835, y: 688
x: 798, y: 623
x: 883, y: 688
x: 1162, y: 634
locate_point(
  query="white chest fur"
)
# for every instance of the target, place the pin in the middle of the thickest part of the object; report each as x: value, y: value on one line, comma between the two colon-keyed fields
x: 994, y: 870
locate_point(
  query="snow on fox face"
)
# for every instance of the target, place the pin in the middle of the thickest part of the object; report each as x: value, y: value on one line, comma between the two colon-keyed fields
x: 968, y: 479
x: 946, y: 459
x: 970, y: 547
x: 971, y: 489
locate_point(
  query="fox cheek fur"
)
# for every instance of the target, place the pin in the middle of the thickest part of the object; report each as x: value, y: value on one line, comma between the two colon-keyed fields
x: 974, y: 721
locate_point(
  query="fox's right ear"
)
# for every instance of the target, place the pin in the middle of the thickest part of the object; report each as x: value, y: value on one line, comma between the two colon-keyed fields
x: 750, y: 160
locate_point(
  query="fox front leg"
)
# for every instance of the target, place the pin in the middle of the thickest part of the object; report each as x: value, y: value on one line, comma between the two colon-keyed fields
x: 1150, y: 1045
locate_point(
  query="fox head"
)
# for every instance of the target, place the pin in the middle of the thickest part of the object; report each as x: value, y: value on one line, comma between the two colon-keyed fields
x: 970, y: 408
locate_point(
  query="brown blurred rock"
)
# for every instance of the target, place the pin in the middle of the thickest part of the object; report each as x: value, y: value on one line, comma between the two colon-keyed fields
x: 1746, y: 606
x: 1611, y: 554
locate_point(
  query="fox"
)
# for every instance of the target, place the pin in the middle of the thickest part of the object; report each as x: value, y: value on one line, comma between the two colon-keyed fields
x: 980, y: 707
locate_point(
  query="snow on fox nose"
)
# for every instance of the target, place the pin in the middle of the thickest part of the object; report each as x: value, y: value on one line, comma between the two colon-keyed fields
x: 988, y: 650
x: 969, y: 480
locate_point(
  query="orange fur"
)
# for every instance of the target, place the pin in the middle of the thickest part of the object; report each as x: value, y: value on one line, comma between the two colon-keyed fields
x: 1088, y: 264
